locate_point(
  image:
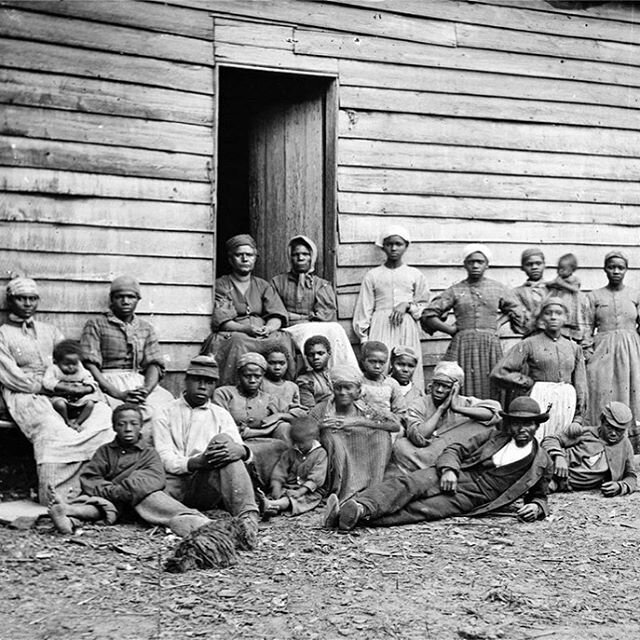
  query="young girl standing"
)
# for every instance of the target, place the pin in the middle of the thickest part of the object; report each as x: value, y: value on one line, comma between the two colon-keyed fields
x: 391, y: 299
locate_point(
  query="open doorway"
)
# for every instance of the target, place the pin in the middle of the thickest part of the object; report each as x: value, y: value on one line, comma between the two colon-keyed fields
x: 276, y: 164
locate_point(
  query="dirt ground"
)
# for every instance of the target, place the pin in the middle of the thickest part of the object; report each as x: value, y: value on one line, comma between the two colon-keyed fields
x: 574, y: 576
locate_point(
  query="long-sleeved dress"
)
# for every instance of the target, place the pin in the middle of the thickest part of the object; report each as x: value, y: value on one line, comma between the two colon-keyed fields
x: 476, y: 344
x: 255, y: 307
x: 26, y: 350
x: 613, y: 371
x: 551, y: 370
x: 312, y: 310
x: 381, y: 290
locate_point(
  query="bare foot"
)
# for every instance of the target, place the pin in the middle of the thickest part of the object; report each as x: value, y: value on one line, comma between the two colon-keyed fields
x: 53, y: 497
x: 58, y: 513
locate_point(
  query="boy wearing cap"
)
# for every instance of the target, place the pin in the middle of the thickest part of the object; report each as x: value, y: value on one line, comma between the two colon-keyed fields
x: 486, y: 473
x: 599, y: 457
x: 122, y: 353
x: 202, y: 451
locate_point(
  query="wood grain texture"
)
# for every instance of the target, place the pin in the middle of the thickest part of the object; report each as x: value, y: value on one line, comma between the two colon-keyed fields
x: 87, y: 95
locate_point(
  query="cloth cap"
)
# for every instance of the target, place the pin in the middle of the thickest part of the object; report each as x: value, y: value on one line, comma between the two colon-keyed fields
x: 251, y: 358
x: 530, y: 253
x: 310, y: 244
x: 449, y: 371
x: 551, y: 300
x: 205, y: 366
x: 345, y: 373
x: 393, y: 230
x: 617, y: 414
x: 239, y: 240
x: 616, y: 254
x: 403, y: 350
x: 525, y: 407
x: 476, y: 247
x: 22, y: 287
x: 125, y: 284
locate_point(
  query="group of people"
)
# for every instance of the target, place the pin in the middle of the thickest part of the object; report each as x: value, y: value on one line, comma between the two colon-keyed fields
x: 278, y: 414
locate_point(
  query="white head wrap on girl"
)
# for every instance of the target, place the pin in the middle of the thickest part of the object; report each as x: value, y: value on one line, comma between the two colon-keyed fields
x: 449, y: 371
x: 393, y: 230
x: 476, y: 247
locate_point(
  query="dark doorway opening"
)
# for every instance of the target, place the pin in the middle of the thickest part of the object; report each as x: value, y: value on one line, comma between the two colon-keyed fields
x: 276, y: 164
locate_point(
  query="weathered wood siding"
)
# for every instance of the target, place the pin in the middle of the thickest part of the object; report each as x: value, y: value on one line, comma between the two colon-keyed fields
x: 502, y: 122
x: 511, y: 123
x: 106, y: 144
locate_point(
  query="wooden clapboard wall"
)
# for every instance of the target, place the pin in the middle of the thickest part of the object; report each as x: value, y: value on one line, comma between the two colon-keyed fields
x: 507, y: 122
x: 106, y: 148
x: 496, y: 121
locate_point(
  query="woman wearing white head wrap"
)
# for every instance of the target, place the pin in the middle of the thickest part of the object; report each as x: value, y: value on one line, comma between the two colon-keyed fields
x: 476, y: 303
x: 311, y: 302
x: 26, y: 350
x: 391, y: 299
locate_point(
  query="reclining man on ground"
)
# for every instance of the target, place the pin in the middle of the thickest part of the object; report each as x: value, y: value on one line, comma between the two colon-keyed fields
x: 487, y: 472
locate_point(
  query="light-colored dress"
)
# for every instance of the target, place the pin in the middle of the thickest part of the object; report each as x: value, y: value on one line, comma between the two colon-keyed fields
x: 26, y: 350
x: 382, y: 289
x: 613, y: 370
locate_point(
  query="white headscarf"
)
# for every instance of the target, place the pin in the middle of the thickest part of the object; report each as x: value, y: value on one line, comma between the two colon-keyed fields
x: 476, y: 247
x: 304, y: 279
x: 393, y: 230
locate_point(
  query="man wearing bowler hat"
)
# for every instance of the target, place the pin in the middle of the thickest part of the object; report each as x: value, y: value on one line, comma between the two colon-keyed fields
x: 485, y: 473
x: 598, y: 457
x: 202, y: 451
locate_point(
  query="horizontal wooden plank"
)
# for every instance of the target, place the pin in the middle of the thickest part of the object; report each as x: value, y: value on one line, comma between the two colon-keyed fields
x: 391, y: 204
x: 377, y: 22
x: 454, y: 81
x: 192, y: 332
x: 91, y: 184
x: 29, y: 236
x: 354, y: 229
x: 134, y: 13
x: 106, y: 212
x: 254, y: 34
x: 438, y: 278
x: 29, y: 25
x: 53, y: 124
x: 589, y: 251
x: 56, y: 91
x: 259, y: 57
x: 406, y: 155
x: 561, y: 23
x: 97, y: 158
x: 486, y: 133
x: 92, y: 297
x: 56, y: 265
x: 487, y: 185
x: 490, y: 108
x: 336, y: 45
x: 56, y: 58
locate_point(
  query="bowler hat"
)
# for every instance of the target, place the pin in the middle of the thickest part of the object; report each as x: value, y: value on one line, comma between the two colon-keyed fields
x: 525, y: 408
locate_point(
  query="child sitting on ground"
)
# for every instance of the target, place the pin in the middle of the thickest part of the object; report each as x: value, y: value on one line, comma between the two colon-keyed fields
x: 124, y: 475
x: 74, y: 389
x: 379, y: 391
x: 315, y: 384
x: 300, y: 472
x: 566, y: 286
x: 274, y: 383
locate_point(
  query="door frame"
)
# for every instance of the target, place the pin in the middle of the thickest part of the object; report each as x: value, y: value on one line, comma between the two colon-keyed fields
x: 330, y: 143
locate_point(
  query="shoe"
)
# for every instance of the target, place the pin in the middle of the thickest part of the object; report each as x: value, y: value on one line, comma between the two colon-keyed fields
x: 331, y: 512
x: 351, y: 513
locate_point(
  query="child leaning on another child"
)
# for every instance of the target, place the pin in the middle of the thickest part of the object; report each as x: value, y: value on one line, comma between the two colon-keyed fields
x: 299, y: 474
x: 75, y: 390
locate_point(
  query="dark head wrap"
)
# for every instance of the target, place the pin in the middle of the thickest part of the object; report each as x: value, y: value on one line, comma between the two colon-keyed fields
x: 238, y: 241
x: 616, y: 254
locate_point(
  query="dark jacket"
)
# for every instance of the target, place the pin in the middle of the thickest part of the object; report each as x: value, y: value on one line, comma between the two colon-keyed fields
x: 619, y: 456
x: 532, y: 485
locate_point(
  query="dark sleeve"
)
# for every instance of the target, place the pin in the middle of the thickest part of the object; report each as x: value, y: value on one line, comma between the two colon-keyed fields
x: 90, y: 343
x: 223, y: 307
x: 147, y: 478
x: 94, y: 482
x: 508, y: 372
x: 325, y: 307
x: 438, y: 307
x: 554, y: 445
x: 272, y: 305
x: 579, y: 380
x: 629, y: 480
x: 538, y: 493
x: 318, y: 472
x: 458, y: 452
x: 510, y: 305
x: 305, y: 385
